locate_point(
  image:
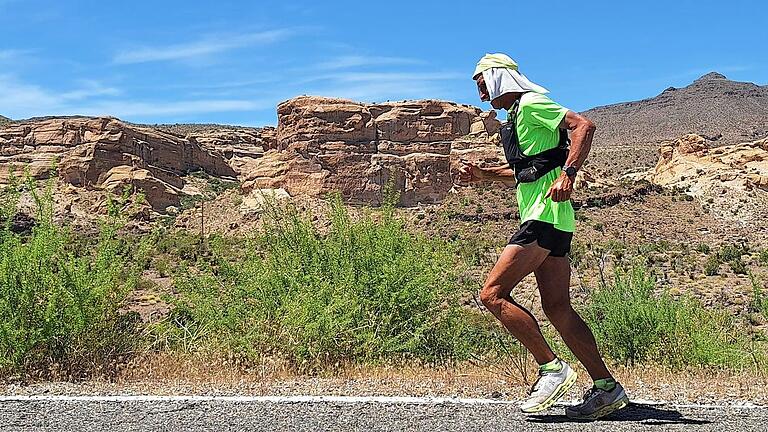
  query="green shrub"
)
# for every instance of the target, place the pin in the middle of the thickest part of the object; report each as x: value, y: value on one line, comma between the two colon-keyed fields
x: 632, y: 325
x: 759, y: 301
x: 737, y: 266
x: 703, y: 248
x: 366, y: 290
x: 59, y: 306
x: 712, y: 266
x: 764, y: 257
x: 730, y: 251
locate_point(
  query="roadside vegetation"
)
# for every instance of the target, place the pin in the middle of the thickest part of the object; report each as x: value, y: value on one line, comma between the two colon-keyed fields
x: 317, y: 296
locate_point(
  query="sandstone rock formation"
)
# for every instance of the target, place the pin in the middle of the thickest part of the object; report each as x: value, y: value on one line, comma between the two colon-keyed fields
x: 731, y: 180
x: 92, y: 152
x: 240, y: 147
x: 334, y: 145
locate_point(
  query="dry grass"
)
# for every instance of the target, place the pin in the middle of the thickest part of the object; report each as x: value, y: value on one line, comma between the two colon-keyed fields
x: 164, y: 374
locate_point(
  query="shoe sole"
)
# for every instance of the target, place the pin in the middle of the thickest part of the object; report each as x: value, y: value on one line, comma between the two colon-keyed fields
x: 559, y: 392
x: 602, y: 412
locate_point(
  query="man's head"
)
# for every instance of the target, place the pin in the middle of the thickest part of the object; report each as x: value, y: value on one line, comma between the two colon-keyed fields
x: 504, y: 101
x: 500, y: 83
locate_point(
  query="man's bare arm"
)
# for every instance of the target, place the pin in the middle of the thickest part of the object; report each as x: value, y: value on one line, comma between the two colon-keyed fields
x: 469, y: 172
x: 582, y: 130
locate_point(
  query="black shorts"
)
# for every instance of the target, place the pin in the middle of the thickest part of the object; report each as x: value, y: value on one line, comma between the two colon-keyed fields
x: 550, y: 238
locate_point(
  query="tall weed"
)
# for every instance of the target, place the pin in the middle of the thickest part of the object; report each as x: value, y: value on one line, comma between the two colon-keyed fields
x: 59, y: 307
x: 366, y: 290
x: 633, y: 324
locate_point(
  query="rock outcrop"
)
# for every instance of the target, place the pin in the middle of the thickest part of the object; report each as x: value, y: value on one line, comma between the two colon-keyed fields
x: 731, y: 180
x: 240, y: 147
x: 335, y: 145
x: 88, y: 152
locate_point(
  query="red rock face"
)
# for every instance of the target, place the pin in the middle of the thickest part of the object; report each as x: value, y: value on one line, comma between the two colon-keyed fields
x: 321, y: 146
x: 84, y: 150
x: 356, y: 149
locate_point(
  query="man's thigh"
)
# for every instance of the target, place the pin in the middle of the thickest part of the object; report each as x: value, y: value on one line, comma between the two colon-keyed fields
x: 553, y: 276
x: 514, y: 264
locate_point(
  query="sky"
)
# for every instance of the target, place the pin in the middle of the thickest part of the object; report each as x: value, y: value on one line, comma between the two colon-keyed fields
x: 233, y: 61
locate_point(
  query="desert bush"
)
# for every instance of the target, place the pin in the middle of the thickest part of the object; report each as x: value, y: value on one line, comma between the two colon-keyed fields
x: 731, y: 251
x: 59, y: 307
x: 703, y: 248
x: 759, y: 302
x: 764, y: 257
x: 712, y: 265
x: 737, y: 266
x: 633, y: 325
x: 365, y: 290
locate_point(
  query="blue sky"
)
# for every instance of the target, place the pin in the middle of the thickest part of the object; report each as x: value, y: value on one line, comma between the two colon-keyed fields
x: 233, y: 61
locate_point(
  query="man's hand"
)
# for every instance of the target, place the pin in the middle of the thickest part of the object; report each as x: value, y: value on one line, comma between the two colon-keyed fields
x: 469, y: 172
x: 561, y: 189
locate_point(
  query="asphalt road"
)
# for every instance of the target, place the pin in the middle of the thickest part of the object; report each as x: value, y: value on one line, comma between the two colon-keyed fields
x: 251, y: 415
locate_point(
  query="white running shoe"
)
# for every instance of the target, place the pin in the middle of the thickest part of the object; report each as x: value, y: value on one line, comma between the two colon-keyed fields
x: 550, y: 387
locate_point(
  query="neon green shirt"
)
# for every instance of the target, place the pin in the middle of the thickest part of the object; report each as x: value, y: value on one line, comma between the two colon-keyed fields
x: 538, y: 122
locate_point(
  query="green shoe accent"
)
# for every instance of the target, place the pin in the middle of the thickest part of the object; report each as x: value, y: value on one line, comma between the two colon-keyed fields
x: 554, y: 366
x: 607, y: 384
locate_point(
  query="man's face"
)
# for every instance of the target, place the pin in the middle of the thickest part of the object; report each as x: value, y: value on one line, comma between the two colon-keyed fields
x: 482, y: 88
x: 485, y: 96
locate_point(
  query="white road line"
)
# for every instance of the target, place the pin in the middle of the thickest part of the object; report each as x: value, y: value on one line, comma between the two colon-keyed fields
x: 335, y: 399
x: 274, y: 399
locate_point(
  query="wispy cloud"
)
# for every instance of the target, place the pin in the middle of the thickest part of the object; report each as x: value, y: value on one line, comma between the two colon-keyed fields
x: 204, y: 47
x: 9, y: 55
x: 140, y: 109
x: 21, y: 100
x: 345, y: 62
x: 378, y: 86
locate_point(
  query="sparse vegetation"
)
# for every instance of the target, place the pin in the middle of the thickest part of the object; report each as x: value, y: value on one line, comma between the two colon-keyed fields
x: 634, y: 324
x: 59, y: 304
x: 360, y: 290
x: 365, y: 291
x: 764, y: 257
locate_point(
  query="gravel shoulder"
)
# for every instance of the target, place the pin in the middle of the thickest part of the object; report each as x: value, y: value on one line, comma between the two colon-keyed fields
x: 177, y: 415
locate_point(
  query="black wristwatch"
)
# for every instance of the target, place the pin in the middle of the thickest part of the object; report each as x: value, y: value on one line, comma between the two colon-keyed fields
x: 570, y: 171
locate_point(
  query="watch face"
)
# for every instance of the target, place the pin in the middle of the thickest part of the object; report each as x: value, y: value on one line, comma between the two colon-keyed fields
x: 570, y: 171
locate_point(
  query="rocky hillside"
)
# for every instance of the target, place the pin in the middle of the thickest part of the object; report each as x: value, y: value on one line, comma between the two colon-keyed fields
x: 108, y: 154
x: 732, y: 181
x: 320, y: 146
x: 4, y: 120
x: 722, y: 111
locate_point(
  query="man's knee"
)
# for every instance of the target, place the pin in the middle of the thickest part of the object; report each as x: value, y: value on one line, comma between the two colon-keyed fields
x: 491, y: 294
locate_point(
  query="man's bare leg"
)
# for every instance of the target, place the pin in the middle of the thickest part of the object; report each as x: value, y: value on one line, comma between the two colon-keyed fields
x: 515, y: 263
x: 553, y: 277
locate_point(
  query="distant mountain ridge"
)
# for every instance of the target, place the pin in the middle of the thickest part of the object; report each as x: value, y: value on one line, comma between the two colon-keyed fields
x: 4, y: 120
x: 723, y: 111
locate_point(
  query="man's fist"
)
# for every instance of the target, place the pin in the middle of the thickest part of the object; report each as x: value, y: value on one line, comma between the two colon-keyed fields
x: 469, y: 172
x: 561, y: 189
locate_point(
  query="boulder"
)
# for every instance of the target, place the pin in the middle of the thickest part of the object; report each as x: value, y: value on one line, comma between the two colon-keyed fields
x: 730, y: 180
x: 159, y: 195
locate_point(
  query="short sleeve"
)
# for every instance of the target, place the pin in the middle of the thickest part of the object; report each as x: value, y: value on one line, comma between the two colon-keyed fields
x: 544, y: 111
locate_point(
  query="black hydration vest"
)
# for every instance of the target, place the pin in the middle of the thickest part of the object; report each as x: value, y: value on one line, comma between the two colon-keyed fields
x: 531, y: 168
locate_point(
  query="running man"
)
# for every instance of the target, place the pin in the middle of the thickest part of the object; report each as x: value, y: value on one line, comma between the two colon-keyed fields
x: 535, y: 141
